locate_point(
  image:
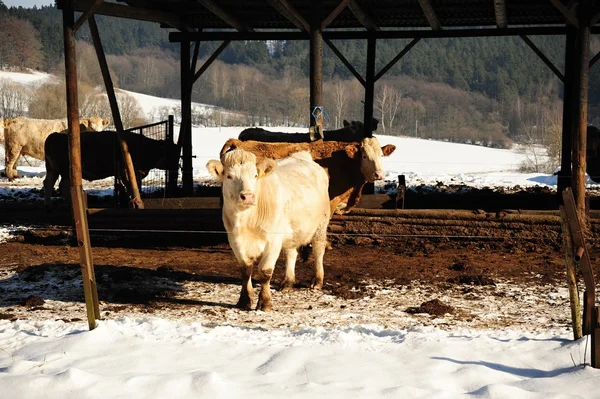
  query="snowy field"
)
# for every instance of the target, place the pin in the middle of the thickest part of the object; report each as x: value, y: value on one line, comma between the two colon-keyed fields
x: 150, y: 357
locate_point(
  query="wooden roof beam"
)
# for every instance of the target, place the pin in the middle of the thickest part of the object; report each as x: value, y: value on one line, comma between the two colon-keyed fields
x: 430, y: 14
x: 88, y: 13
x: 290, y: 13
x: 500, y: 11
x: 334, y: 14
x: 568, y: 14
x: 129, y: 12
x: 225, y: 16
x: 362, y: 16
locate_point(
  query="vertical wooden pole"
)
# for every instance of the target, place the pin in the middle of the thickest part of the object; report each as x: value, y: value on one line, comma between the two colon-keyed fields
x: 127, y: 162
x: 186, y: 119
x: 316, y: 71
x: 172, y: 174
x: 571, y: 275
x: 77, y: 194
x: 580, y: 134
x: 370, y: 86
x: 564, y: 177
x: 595, y: 358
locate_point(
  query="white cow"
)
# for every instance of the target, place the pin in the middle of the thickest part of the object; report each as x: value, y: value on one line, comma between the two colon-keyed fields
x: 269, y: 206
x: 25, y: 136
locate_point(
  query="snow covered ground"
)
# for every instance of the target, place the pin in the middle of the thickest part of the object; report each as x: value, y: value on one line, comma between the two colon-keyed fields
x: 144, y: 357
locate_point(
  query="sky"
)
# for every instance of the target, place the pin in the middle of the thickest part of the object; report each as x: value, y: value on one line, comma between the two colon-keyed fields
x: 167, y: 356
x: 28, y: 3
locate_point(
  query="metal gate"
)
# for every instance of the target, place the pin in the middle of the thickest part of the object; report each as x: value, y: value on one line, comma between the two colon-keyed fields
x: 157, y: 183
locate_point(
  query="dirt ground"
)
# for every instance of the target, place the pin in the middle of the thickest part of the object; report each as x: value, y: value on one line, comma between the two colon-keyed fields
x: 516, y: 282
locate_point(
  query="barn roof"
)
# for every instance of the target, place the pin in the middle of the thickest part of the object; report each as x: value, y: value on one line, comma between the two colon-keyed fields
x: 259, y: 15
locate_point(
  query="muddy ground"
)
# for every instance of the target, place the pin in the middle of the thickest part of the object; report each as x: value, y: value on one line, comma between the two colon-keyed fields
x: 505, y: 276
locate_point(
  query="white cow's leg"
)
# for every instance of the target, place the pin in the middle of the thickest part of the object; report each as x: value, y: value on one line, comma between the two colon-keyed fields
x: 265, y: 268
x: 11, y: 156
x: 247, y: 293
x: 319, y: 243
x: 290, y: 269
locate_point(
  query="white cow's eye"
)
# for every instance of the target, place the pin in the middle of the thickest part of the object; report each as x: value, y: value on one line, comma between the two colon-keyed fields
x: 229, y: 177
x: 256, y: 176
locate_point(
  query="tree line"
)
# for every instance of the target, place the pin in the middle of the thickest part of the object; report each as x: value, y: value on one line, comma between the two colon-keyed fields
x: 487, y: 91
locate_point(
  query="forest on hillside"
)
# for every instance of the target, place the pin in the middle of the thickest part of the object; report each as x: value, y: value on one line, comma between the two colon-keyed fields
x: 487, y: 91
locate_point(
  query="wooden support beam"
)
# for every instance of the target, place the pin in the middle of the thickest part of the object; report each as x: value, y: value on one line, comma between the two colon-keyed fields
x: 225, y: 16
x: 396, y: 58
x: 370, y: 86
x: 571, y: 274
x: 581, y: 255
x: 594, y: 59
x: 430, y: 14
x: 581, y: 99
x: 316, y: 105
x: 345, y: 61
x: 543, y: 57
x: 382, y: 34
x: 126, y: 161
x: 500, y: 12
x: 329, y: 19
x: 285, y: 8
x: 84, y: 17
x: 210, y: 60
x: 128, y: 12
x: 569, y: 16
x: 185, y: 132
x: 362, y: 16
x: 564, y: 176
x: 79, y: 205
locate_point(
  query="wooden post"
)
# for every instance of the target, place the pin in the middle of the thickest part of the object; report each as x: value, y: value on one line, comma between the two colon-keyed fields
x: 595, y: 358
x: 580, y: 136
x: 173, y: 174
x: 316, y: 72
x: 571, y: 275
x: 127, y: 162
x: 77, y: 195
x: 581, y: 256
x: 370, y: 85
x: 401, y: 195
x: 185, y: 131
x: 564, y: 177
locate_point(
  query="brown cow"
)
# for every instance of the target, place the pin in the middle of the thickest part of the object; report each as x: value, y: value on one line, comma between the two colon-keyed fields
x: 352, y: 131
x: 99, y: 150
x: 25, y: 136
x: 349, y: 165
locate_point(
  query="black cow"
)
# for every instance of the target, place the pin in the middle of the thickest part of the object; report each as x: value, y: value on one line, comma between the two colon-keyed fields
x: 99, y: 150
x: 352, y: 131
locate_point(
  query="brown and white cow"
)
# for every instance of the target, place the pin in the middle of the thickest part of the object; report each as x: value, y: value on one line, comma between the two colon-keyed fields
x: 270, y: 206
x: 349, y: 165
x: 25, y: 136
x: 99, y: 153
x: 352, y: 131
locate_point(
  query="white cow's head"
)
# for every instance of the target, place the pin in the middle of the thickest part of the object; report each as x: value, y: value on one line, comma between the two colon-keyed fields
x: 95, y: 123
x: 239, y: 171
x: 370, y: 152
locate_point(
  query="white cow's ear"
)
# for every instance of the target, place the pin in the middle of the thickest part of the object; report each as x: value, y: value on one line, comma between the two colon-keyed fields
x: 351, y: 151
x: 105, y: 122
x: 265, y: 166
x: 388, y: 149
x: 215, y: 168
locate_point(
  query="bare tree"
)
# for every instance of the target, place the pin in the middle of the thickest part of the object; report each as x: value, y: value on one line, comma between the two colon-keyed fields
x: 20, y: 46
x: 340, y: 98
x: 14, y: 98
